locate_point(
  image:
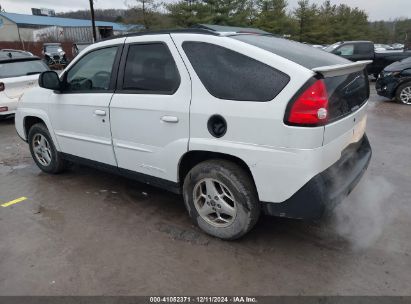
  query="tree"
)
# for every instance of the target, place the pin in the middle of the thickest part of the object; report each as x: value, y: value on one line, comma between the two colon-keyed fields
x: 224, y: 12
x: 146, y: 12
x: 272, y: 17
x: 307, y: 17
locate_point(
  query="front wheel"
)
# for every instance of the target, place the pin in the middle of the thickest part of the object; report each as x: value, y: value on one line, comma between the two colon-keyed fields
x: 404, y: 93
x: 43, y: 150
x: 221, y: 199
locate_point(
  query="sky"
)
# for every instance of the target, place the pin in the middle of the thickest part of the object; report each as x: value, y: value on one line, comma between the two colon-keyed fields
x: 376, y: 9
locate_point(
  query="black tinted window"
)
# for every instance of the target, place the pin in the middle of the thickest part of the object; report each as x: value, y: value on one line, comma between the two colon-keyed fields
x: 150, y: 68
x: 346, y: 93
x: 364, y: 48
x: 229, y: 75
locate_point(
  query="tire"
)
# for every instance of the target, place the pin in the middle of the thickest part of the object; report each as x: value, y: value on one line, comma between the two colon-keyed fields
x: 234, y: 188
x: 56, y: 164
x: 403, y: 91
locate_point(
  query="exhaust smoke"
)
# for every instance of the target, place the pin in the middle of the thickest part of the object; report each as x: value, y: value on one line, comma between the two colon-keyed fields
x: 363, y: 215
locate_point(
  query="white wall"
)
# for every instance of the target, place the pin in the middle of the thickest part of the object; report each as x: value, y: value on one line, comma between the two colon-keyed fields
x: 8, y: 30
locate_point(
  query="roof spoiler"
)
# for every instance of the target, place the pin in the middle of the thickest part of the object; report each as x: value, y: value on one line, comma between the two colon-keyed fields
x: 342, y: 69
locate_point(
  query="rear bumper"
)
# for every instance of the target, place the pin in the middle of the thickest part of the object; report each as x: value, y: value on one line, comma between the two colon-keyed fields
x: 325, y: 190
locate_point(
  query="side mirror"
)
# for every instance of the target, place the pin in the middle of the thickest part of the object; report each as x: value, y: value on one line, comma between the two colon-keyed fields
x: 50, y: 80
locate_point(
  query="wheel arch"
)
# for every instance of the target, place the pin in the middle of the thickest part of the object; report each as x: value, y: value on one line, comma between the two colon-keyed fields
x: 29, y: 118
x: 194, y: 157
x: 30, y: 121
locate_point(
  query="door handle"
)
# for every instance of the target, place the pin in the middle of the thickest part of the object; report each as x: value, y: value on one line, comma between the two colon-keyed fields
x: 100, y: 112
x: 171, y: 119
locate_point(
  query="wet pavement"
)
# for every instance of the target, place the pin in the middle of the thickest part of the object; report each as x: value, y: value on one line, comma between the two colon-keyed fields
x: 86, y: 232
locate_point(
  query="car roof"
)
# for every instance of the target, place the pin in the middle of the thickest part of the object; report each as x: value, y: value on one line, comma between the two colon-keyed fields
x: 169, y: 31
x: 356, y: 41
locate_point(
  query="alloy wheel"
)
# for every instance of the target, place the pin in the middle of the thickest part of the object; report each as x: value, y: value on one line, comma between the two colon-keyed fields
x: 214, y: 202
x: 41, y: 149
x: 405, y: 95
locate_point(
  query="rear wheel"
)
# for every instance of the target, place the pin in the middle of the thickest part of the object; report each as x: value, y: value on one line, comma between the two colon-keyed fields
x: 43, y: 151
x: 404, y: 93
x: 221, y: 199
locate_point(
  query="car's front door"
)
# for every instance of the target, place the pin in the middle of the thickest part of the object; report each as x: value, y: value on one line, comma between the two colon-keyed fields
x: 150, y: 110
x: 80, y: 113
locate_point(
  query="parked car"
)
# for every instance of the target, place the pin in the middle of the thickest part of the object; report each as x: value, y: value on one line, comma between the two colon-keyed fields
x: 237, y: 124
x: 395, y: 81
x: 15, y: 53
x: 78, y: 47
x: 397, y: 46
x: 17, y: 75
x: 382, y: 47
x: 54, y: 55
x: 364, y: 50
x: 318, y: 46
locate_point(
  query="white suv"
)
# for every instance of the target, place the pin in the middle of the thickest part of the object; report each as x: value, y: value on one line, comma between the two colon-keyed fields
x: 237, y: 123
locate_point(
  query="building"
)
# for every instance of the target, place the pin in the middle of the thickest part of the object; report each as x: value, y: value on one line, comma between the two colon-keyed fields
x: 25, y: 28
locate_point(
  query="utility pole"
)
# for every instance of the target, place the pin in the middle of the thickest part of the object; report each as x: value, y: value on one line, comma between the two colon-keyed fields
x: 93, y: 22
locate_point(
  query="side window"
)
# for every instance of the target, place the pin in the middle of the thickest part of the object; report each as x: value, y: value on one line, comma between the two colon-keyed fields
x: 346, y: 50
x: 92, y: 71
x: 150, y: 68
x: 227, y: 74
x: 363, y: 48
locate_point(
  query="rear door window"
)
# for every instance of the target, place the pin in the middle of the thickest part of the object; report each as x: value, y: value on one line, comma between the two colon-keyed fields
x: 363, y: 49
x: 150, y: 69
x: 227, y: 74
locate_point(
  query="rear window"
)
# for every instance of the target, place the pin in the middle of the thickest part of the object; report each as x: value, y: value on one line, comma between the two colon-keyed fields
x: 346, y: 94
x: 227, y: 74
x: 22, y: 68
x: 300, y: 53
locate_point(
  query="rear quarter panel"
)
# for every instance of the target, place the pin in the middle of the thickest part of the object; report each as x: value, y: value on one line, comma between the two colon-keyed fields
x: 249, y: 123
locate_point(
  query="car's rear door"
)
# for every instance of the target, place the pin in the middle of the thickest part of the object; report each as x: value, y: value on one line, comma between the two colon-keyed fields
x: 80, y: 113
x: 150, y: 109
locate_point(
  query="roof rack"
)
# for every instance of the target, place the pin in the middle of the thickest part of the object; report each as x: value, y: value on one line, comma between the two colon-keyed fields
x: 171, y: 31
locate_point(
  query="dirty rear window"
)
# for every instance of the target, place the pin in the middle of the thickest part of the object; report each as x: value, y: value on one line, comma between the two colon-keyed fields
x: 22, y: 68
x: 346, y: 93
x: 300, y: 53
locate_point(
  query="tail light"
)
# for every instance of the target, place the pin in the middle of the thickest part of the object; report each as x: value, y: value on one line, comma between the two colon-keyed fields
x: 310, y: 108
x: 2, y: 87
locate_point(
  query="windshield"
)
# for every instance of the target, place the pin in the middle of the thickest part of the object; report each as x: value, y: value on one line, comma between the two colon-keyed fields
x: 302, y: 54
x: 22, y: 68
x: 54, y: 48
x: 332, y: 47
